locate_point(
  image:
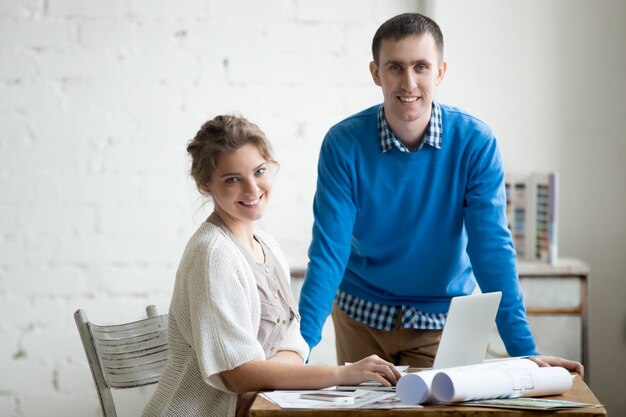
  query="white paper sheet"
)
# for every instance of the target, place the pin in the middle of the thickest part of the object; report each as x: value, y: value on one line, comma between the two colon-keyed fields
x: 363, y: 399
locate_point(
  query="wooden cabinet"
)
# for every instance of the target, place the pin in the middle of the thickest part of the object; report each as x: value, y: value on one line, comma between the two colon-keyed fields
x: 557, y: 303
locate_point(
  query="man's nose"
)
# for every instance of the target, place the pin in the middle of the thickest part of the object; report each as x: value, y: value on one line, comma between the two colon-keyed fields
x: 409, y: 81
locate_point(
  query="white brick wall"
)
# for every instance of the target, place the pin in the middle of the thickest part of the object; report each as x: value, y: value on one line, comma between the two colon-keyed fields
x: 97, y: 102
x: 98, y: 99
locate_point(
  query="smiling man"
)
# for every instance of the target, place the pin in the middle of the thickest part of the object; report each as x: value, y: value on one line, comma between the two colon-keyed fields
x: 409, y: 212
x: 408, y: 70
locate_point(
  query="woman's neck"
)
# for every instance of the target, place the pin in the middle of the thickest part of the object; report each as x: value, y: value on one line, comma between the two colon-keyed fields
x: 244, y: 233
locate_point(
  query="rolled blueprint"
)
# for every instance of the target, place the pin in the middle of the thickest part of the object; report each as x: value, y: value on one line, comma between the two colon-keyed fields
x: 415, y: 387
x: 453, y: 386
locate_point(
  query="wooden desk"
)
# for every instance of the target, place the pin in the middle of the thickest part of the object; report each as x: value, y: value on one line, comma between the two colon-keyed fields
x: 580, y: 392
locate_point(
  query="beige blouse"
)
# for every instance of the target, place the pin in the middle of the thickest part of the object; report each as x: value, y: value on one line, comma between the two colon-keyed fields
x: 278, y: 306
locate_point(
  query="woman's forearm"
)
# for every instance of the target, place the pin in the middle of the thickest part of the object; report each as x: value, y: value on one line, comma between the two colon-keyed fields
x: 287, y: 356
x: 283, y: 374
x: 270, y: 374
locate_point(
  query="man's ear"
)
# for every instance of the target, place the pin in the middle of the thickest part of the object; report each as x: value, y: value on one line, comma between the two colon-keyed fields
x: 375, y: 73
x: 441, y: 71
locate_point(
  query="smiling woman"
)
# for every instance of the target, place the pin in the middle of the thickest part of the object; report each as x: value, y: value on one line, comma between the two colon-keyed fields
x: 240, y: 186
x: 231, y: 159
x: 234, y: 326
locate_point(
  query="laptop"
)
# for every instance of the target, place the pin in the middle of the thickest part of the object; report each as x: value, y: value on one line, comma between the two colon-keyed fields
x: 465, y: 335
x: 467, y: 330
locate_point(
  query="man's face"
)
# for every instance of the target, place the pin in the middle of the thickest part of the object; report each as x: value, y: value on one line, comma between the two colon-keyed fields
x: 408, y: 71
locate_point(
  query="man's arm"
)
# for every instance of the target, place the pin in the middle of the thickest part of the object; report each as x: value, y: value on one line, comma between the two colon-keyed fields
x: 490, y: 246
x: 334, y: 215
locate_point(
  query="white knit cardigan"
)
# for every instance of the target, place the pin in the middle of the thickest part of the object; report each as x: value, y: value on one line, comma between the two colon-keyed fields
x: 214, y: 319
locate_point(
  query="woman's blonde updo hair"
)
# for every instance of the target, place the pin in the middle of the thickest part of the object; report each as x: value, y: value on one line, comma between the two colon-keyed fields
x: 221, y: 135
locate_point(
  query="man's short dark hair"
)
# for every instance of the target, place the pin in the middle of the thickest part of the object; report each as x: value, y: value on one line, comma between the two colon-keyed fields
x: 404, y: 25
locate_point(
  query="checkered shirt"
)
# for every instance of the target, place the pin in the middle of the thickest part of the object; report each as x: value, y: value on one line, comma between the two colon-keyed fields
x: 383, y: 317
x: 432, y: 136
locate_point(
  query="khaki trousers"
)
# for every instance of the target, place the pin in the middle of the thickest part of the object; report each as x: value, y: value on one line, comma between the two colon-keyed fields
x: 355, y: 341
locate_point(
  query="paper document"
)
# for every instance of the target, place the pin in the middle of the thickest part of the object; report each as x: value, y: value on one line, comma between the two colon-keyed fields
x: 529, y: 404
x: 362, y: 399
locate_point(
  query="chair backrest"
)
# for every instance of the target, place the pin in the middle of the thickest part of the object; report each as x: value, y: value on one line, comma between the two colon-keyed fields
x: 124, y: 355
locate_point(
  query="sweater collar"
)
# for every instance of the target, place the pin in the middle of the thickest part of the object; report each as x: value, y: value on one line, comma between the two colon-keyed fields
x: 432, y: 136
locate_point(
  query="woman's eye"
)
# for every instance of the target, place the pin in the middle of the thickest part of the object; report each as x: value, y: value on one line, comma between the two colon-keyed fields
x: 260, y: 171
x: 231, y: 180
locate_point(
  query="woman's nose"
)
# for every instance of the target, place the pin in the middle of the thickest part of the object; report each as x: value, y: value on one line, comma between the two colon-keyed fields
x: 250, y: 186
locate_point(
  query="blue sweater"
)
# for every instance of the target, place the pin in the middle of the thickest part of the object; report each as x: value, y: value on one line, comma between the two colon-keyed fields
x: 414, y: 228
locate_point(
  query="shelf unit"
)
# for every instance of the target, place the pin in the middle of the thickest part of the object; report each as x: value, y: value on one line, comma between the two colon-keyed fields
x: 558, y: 290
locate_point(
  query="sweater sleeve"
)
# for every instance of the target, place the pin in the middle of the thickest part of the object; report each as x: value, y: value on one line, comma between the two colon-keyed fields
x: 490, y: 246
x: 221, y: 295
x: 334, y: 211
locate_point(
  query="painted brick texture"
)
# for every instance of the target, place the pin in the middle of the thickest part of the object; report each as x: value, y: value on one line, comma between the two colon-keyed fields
x: 97, y: 102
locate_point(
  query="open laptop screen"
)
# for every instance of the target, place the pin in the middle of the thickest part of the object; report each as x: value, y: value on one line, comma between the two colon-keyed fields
x: 467, y: 330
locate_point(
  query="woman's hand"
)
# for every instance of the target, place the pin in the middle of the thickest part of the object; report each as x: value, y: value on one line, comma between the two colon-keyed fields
x: 372, y: 368
x: 572, y: 366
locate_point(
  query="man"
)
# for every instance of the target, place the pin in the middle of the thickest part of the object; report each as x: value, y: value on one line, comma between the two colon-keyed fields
x: 409, y: 212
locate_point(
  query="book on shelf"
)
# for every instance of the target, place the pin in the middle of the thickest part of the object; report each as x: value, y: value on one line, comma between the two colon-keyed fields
x: 532, y: 214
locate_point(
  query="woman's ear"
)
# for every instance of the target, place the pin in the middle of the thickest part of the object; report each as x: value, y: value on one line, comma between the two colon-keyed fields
x: 204, y: 188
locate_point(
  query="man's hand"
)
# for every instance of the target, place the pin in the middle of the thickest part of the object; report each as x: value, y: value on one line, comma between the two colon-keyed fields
x: 572, y: 366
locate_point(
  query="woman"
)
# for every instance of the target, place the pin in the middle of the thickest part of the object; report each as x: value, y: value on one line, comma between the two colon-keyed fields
x: 233, y: 323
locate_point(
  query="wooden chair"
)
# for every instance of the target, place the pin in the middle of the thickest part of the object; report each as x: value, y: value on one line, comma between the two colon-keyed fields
x: 124, y: 355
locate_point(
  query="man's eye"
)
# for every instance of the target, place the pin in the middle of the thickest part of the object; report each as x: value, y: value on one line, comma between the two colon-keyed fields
x: 395, y: 68
x: 421, y: 67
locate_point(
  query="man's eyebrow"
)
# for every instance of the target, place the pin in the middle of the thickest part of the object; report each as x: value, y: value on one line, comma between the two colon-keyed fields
x: 402, y: 63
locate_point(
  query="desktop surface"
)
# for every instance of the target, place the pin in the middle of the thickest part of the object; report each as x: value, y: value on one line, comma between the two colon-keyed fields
x: 580, y: 392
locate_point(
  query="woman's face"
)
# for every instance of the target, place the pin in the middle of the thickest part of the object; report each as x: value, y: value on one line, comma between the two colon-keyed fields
x: 241, y: 185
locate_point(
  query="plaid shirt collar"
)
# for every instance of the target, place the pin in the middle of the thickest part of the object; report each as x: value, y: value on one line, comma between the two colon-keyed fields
x: 432, y: 136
